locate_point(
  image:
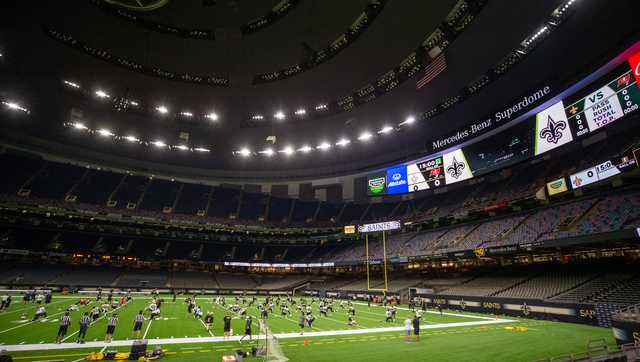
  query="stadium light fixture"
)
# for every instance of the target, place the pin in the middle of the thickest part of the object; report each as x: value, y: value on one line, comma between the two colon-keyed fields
x: 80, y: 126
x: 159, y: 144
x: 131, y: 138
x: 181, y: 147
x: 365, y: 136
x: 324, y: 146
x: 244, y: 152
x: 279, y: 115
x: 201, y: 149
x: 409, y: 120
x: 71, y: 84
x: 305, y: 149
x: 211, y: 116
x: 105, y: 132
x: 186, y: 114
x: 102, y: 94
x: 287, y: 151
x: 257, y: 117
x: 15, y: 107
x: 301, y: 112
x: 133, y: 103
x: 343, y: 142
x: 267, y: 152
x: 321, y: 107
x: 162, y: 109
x: 385, y: 130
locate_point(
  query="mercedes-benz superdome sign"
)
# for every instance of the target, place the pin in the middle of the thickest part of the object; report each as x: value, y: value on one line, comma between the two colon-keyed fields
x: 380, y: 226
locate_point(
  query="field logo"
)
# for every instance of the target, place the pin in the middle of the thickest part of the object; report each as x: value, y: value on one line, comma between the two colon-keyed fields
x: 553, y: 132
x: 463, y: 304
x: 552, y: 129
x: 456, y: 168
x: 377, y: 185
x: 525, y: 309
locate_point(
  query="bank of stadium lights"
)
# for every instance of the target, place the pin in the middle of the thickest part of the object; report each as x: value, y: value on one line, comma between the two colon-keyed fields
x: 343, y: 142
x: 102, y: 94
x: 162, y: 109
x: 287, y: 151
x: 385, y: 130
x: 79, y: 126
x: 409, y: 120
x: 131, y: 138
x: 201, y: 149
x: 15, y: 106
x: 300, y: 112
x: 71, y: 84
x: 321, y: 107
x: 133, y: 103
x: 267, y: 152
x: 181, y: 147
x: 279, y: 115
x: 257, y: 117
x: 324, y: 146
x: 244, y: 152
x: 305, y: 149
x: 211, y: 116
x: 186, y: 114
x: 365, y: 136
x: 158, y: 144
x: 105, y: 132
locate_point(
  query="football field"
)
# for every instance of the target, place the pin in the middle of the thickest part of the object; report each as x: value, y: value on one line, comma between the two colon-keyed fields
x: 447, y: 336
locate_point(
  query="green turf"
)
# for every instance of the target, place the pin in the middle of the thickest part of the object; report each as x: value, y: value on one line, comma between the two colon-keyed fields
x: 472, y: 343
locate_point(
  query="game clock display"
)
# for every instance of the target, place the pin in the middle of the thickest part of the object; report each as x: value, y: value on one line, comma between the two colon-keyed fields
x: 426, y: 174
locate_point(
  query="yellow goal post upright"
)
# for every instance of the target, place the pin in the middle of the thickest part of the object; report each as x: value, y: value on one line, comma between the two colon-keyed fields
x: 382, y: 228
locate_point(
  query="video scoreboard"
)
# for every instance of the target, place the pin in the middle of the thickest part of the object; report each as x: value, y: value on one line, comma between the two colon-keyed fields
x: 598, y: 105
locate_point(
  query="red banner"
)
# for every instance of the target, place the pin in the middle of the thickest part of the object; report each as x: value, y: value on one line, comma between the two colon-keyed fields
x: 634, y: 62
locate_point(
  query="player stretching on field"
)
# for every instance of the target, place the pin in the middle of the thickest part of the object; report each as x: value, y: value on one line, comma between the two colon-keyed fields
x: 137, y: 325
x: 64, y: 325
x: 111, y: 327
x: 84, y: 326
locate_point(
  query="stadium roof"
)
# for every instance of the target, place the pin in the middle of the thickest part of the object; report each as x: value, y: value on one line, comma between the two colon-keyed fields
x: 211, y: 38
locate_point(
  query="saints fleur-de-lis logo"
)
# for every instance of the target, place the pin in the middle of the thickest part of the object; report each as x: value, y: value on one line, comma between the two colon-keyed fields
x: 525, y: 309
x: 463, y: 304
x: 455, y: 170
x: 553, y: 131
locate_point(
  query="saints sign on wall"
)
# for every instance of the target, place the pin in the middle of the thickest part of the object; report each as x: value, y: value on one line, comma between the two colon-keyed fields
x: 552, y: 129
x: 456, y: 167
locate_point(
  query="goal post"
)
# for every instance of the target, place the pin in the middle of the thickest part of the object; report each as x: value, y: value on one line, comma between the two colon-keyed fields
x: 384, y: 263
x: 381, y: 229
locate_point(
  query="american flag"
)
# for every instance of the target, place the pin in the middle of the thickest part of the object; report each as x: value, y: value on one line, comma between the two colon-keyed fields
x: 432, y: 70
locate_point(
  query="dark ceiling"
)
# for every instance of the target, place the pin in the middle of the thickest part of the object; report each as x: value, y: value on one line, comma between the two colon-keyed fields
x: 33, y: 67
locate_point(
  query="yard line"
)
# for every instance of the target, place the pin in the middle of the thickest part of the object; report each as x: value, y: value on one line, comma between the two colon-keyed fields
x: 205, y: 326
x: 147, y: 329
x: 343, y: 332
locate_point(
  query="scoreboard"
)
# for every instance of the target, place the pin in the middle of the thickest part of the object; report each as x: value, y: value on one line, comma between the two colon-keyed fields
x: 605, y: 105
x: 427, y: 174
x: 602, y: 103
